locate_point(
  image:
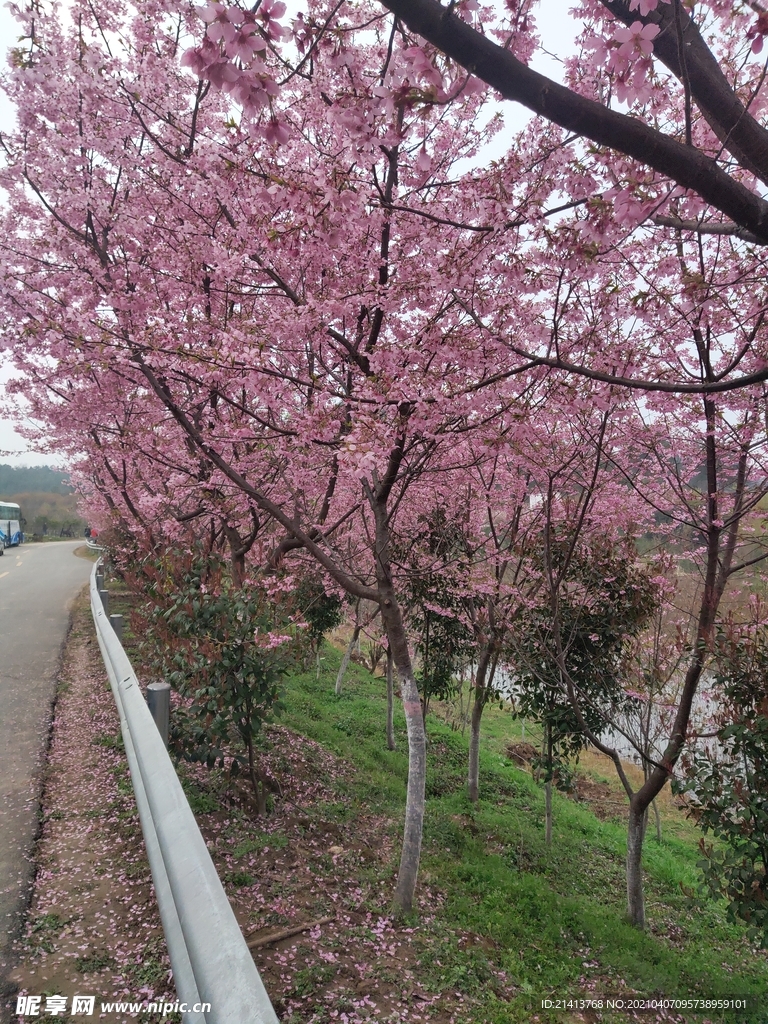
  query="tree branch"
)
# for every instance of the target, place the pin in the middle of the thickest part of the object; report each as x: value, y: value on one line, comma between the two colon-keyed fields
x: 681, y: 48
x: 496, y: 66
x: 351, y: 585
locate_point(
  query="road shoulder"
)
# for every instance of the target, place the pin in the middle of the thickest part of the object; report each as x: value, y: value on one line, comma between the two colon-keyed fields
x: 93, y: 928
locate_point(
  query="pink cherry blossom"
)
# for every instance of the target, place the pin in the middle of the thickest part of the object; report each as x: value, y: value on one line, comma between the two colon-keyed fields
x: 637, y: 38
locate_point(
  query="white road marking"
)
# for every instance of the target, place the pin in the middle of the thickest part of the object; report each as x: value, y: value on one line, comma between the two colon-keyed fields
x: 3, y: 574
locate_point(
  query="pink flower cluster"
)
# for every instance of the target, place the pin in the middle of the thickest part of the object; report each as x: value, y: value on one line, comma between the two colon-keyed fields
x: 645, y: 6
x: 631, y: 60
x: 235, y: 38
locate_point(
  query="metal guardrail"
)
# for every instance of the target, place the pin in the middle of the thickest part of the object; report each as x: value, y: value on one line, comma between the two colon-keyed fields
x: 211, y: 962
x: 92, y: 545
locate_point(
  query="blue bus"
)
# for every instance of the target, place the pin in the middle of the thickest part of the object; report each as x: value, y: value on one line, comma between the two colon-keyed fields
x: 10, y: 525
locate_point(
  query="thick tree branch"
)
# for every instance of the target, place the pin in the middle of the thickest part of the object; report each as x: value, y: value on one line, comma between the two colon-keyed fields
x: 351, y: 585
x: 709, y: 228
x: 497, y: 67
x: 695, y: 64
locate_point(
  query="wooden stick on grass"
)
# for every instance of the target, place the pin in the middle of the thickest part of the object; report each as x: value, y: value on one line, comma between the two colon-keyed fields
x: 286, y: 933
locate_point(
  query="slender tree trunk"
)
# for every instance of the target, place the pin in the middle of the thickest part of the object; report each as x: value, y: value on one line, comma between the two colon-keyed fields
x: 721, y: 545
x: 354, y: 644
x: 259, y: 789
x: 346, y: 659
x: 424, y: 711
x: 391, y: 741
x: 392, y: 619
x: 415, y: 799
x: 473, y: 774
x: 261, y: 799
x: 635, y: 834
x: 548, y: 789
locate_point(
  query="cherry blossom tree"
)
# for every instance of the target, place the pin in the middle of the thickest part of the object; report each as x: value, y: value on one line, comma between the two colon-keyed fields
x: 647, y: 54
x: 287, y: 340
x: 248, y: 272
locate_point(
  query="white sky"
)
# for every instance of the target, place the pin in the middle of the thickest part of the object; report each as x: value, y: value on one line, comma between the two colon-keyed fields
x: 13, y: 449
x: 557, y: 29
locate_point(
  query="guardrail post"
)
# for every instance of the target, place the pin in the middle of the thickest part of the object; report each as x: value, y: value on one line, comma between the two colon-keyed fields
x: 104, y: 595
x: 159, y: 700
x: 99, y: 581
x: 116, y: 622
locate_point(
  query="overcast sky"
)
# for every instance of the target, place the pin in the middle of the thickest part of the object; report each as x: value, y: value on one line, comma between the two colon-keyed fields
x: 557, y: 29
x: 13, y: 449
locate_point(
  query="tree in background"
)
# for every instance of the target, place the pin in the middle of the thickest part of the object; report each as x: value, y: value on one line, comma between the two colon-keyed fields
x: 33, y: 479
x: 52, y: 514
x: 574, y: 641
x: 431, y: 559
x: 730, y: 786
x: 654, y: 672
x: 321, y: 611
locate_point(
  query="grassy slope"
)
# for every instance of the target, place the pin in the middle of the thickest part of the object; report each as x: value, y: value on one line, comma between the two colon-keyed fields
x: 552, y: 920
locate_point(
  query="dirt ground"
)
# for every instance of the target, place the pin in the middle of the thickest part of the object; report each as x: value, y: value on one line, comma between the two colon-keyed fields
x: 93, y: 927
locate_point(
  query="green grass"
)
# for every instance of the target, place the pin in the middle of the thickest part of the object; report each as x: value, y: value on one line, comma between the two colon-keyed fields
x: 273, y: 840
x: 151, y: 970
x: 200, y: 800
x: 110, y: 741
x: 551, y: 919
x: 91, y: 963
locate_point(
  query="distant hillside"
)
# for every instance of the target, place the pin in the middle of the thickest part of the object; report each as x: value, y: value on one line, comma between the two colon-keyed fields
x: 48, y: 514
x: 26, y: 479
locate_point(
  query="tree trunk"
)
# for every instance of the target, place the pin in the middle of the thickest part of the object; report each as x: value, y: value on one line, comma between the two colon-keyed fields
x: 473, y: 777
x: 345, y: 662
x: 259, y: 790
x: 392, y: 619
x: 482, y: 683
x: 417, y: 777
x: 635, y: 833
x: 238, y: 549
x: 391, y: 741
x: 548, y: 787
x: 720, y: 550
x: 424, y: 709
x: 394, y: 628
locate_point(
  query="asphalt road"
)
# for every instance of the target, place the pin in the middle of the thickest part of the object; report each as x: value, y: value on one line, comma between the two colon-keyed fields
x: 38, y: 583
